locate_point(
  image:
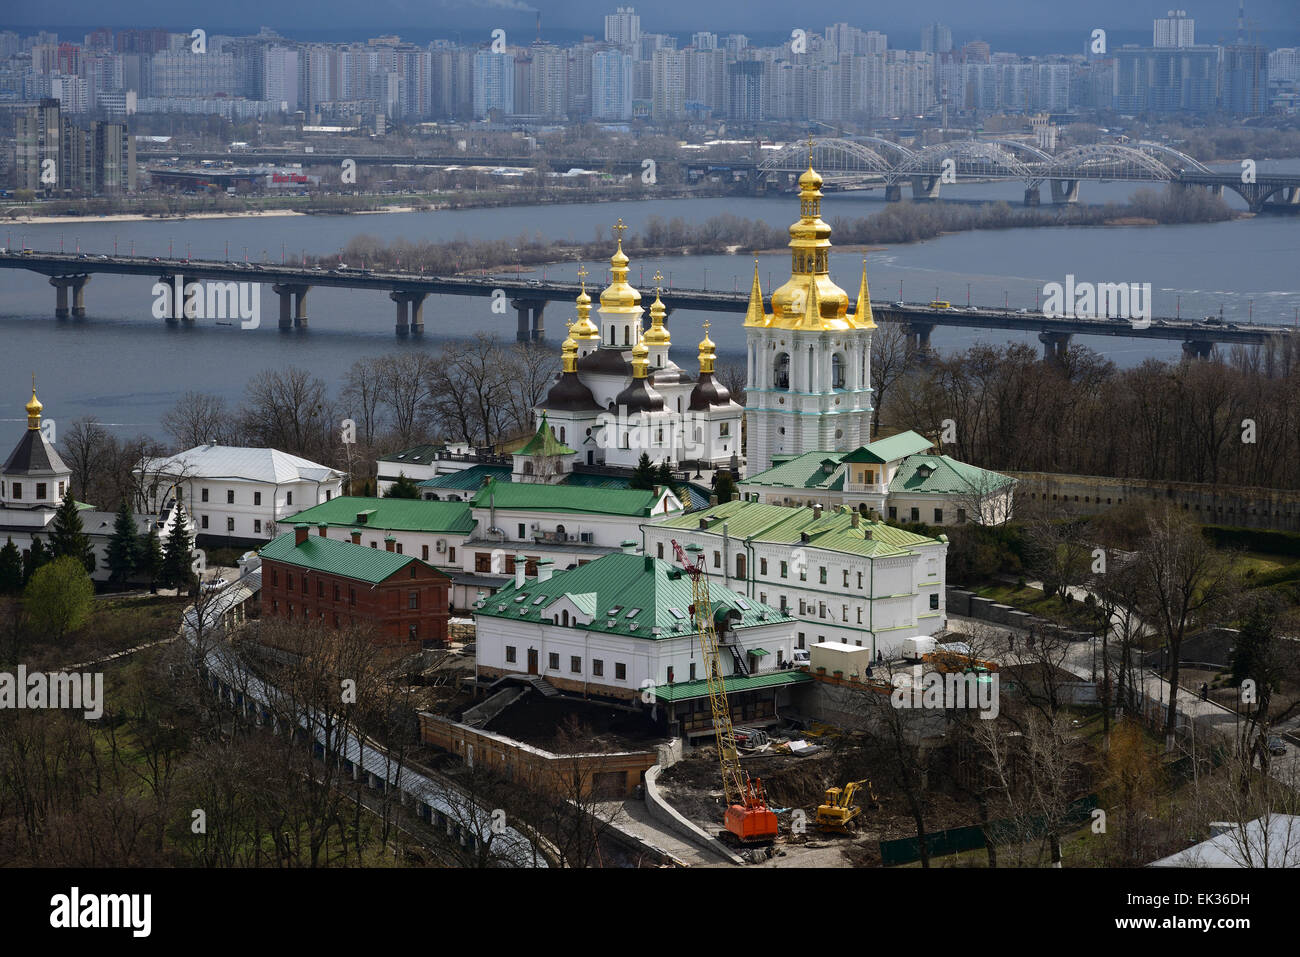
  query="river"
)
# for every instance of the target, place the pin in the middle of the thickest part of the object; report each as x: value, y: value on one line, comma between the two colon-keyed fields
x: 127, y: 368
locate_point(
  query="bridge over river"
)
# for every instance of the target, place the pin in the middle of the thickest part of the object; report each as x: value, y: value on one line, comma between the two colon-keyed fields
x: 71, y: 273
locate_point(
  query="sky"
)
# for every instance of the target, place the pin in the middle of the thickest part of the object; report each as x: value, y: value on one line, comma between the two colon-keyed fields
x: 968, y: 18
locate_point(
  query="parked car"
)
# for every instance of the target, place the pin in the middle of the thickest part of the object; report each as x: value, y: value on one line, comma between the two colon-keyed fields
x: 801, y: 656
x: 1275, y: 744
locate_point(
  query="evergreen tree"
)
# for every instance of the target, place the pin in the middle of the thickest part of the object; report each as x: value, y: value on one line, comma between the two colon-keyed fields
x: 124, y: 547
x: 36, y: 556
x: 644, y: 475
x: 176, y: 571
x: 151, y: 557
x: 404, y: 487
x: 1256, y: 656
x: 11, y: 569
x: 664, y: 476
x: 68, y: 537
x: 724, y: 486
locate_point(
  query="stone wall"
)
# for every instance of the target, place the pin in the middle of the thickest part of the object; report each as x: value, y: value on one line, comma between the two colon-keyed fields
x: 1244, y: 507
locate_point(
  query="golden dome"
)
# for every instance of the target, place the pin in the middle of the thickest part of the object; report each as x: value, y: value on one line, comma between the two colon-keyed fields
x: 640, y: 359
x: 708, y: 350
x: 34, y: 408
x: 584, y: 328
x: 810, y: 299
x: 569, y: 351
x: 657, y: 334
x: 618, y: 295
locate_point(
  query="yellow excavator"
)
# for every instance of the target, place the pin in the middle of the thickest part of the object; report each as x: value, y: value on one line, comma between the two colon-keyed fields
x: 839, y: 814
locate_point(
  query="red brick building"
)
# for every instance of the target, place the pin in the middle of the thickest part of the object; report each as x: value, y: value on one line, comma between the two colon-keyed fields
x: 313, y: 578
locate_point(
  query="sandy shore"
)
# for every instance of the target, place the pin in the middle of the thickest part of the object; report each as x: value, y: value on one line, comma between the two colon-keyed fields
x: 246, y: 214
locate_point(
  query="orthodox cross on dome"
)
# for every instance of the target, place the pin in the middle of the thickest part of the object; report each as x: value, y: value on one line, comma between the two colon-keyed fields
x: 810, y: 150
x: 706, y: 328
x: 658, y: 278
x: 582, y: 275
x: 620, y: 229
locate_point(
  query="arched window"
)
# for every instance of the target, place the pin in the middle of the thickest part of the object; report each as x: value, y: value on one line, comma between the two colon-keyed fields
x: 564, y: 618
x: 837, y: 371
x: 627, y: 335
x: 781, y: 374
x: 561, y: 433
x: 559, y: 529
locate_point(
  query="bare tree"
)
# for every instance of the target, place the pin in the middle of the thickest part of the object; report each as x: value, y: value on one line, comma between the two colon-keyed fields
x: 198, y: 418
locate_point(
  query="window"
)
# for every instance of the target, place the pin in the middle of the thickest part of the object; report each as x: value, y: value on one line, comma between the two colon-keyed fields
x: 785, y: 570
x: 203, y: 521
x: 845, y: 615
x: 803, y: 573
x: 352, y: 596
x: 275, y: 578
x: 575, y: 664
x: 801, y: 639
x: 938, y: 516
x: 230, y: 523
x: 336, y: 591
x: 724, y: 429
x: 510, y: 653
x: 670, y: 674
x: 40, y: 490
x: 934, y: 602
x: 717, y: 559
x: 320, y: 588
x: 781, y: 373
x: 257, y: 498
x: 660, y: 549
x: 821, y: 609
x: 961, y: 516
x: 916, y: 514
x: 859, y: 616
x: 821, y: 574
x: 893, y: 513
x: 859, y: 581
x: 203, y: 495
x: 762, y: 597
x: 413, y: 599
x: 304, y: 584
x: 740, y: 566
x: 553, y: 661
x: 802, y: 606
x: 328, y: 495
x: 837, y: 371
x: 424, y: 553
x: 257, y: 526
x: 230, y: 496
x: 762, y: 566
x: 597, y: 668
x: 451, y: 556
x: 871, y: 477
x: 482, y: 562
x: 521, y: 530
x: 288, y: 498
x: 61, y: 489
x: 18, y: 489
x: 399, y: 551
x: 692, y: 671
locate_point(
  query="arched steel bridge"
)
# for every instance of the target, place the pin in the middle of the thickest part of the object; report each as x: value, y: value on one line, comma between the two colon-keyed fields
x: 864, y: 158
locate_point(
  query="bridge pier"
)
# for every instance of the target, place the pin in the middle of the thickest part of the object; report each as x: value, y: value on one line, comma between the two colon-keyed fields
x: 918, y: 338
x: 61, y: 285
x: 1032, y: 196
x: 1055, y: 345
x: 925, y: 187
x: 300, y: 307
x: 529, y: 311
x: 175, y: 298
x: 1197, y: 349
x: 894, y: 193
x: 1065, y: 191
x: 410, y: 311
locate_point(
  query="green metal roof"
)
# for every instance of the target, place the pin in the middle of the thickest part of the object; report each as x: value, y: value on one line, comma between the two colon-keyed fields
x: 472, y: 479
x: 545, y: 443
x: 782, y: 524
x: 686, y: 690
x: 890, y: 449
x: 401, y: 514
x: 566, y: 498
x: 337, y: 558
x: 945, y: 476
x: 801, y: 471
x: 628, y: 595
x: 468, y: 480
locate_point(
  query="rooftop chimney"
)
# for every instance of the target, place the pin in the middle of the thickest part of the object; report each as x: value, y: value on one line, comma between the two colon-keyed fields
x: 544, y: 569
x: 356, y: 536
x: 817, y: 510
x: 299, y: 533
x: 321, y: 529
x: 629, y: 546
x: 857, y: 518
x: 390, y: 543
x: 520, y: 564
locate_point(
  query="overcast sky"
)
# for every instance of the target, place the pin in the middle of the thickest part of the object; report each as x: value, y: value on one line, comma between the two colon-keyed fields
x: 968, y: 18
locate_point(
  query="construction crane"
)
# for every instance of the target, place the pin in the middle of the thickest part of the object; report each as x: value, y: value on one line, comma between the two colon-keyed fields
x: 839, y: 813
x: 747, y: 816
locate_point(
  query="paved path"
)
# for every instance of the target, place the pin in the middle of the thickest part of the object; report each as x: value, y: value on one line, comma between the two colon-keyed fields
x: 633, y: 818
